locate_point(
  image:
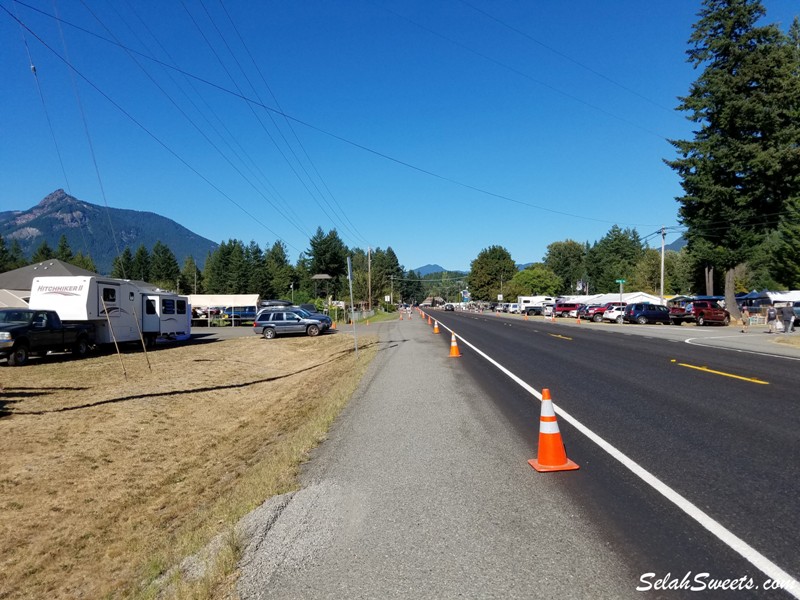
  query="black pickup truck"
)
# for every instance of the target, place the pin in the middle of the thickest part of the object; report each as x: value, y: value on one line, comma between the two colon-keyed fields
x: 24, y: 332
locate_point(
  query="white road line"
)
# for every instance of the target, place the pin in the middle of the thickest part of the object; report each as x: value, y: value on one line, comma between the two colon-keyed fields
x: 766, y: 566
x: 692, y: 342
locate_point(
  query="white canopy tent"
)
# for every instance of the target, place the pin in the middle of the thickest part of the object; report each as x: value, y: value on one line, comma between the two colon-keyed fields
x: 627, y: 297
x: 223, y: 300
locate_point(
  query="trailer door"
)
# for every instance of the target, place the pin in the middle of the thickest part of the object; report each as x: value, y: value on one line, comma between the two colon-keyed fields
x: 151, y: 319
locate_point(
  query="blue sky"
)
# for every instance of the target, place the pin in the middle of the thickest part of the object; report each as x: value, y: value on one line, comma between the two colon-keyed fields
x: 438, y: 129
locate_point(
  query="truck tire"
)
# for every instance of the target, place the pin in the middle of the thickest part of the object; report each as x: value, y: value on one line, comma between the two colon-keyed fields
x: 597, y: 318
x: 81, y: 347
x: 726, y: 321
x: 19, y: 354
x: 268, y: 333
x: 701, y: 320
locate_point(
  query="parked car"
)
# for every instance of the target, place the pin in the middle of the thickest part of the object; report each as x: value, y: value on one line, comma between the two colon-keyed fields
x: 239, y: 314
x: 584, y: 311
x: 270, y: 323
x: 562, y: 309
x: 449, y: 307
x: 24, y: 332
x: 325, y: 320
x: 513, y: 308
x: 595, y: 311
x: 614, y: 314
x: 644, y: 313
x: 701, y: 312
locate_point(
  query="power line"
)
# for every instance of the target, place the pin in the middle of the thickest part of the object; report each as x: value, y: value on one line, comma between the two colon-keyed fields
x: 346, y: 140
x: 148, y: 132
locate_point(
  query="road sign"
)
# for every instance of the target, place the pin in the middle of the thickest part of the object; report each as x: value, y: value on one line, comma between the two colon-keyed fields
x: 620, y: 281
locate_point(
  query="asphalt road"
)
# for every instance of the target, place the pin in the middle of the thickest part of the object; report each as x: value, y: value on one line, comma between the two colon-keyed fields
x: 723, y: 441
x: 423, y: 489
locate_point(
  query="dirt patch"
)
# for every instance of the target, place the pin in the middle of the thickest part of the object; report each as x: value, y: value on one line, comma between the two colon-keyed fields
x: 107, y: 481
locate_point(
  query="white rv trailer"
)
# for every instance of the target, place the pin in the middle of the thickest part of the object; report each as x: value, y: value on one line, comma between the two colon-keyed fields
x: 118, y: 305
x: 534, y: 304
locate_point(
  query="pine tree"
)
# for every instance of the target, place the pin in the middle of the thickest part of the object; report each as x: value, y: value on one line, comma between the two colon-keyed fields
x: 43, y: 252
x: 741, y: 168
x: 16, y: 257
x: 164, y: 269
x: 191, y: 280
x: 5, y: 256
x: 122, y: 266
x: 140, y: 270
x: 63, y: 251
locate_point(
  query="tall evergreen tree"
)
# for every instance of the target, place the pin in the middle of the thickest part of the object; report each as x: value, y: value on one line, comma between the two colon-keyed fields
x: 214, y: 272
x: 613, y: 257
x: 63, y: 251
x: 164, y: 269
x: 43, y: 252
x: 742, y: 166
x: 122, y: 266
x: 328, y: 254
x: 5, y: 256
x: 786, y: 259
x: 191, y: 279
x: 140, y: 270
x: 84, y: 261
x: 280, y: 274
x: 16, y: 257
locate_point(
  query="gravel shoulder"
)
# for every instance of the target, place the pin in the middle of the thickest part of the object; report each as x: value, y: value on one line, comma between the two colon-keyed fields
x: 423, y: 491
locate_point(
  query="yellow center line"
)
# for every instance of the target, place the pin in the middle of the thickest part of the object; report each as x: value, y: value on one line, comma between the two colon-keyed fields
x: 561, y: 337
x: 707, y: 370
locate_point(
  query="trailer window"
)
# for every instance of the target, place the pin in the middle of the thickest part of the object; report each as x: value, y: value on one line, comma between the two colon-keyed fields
x: 109, y: 295
x: 181, y: 307
x: 150, y: 307
x: 168, y: 307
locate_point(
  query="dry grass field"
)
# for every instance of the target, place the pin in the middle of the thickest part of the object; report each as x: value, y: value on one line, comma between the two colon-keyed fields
x: 108, y: 480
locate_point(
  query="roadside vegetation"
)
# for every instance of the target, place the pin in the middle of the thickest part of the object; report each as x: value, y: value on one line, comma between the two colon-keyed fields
x: 108, y: 481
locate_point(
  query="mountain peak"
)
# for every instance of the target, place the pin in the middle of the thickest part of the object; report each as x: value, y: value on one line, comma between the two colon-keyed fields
x: 94, y: 230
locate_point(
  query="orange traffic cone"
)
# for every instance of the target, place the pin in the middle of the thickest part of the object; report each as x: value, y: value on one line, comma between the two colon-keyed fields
x: 429, y: 320
x: 401, y: 315
x: 579, y: 319
x: 526, y: 316
x: 552, y: 456
x: 436, y: 327
x: 454, y: 353
x: 333, y: 325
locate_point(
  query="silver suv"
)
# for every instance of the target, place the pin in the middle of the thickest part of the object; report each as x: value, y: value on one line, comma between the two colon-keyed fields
x: 270, y: 323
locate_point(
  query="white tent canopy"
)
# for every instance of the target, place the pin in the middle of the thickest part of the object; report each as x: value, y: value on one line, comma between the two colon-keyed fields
x: 628, y: 297
x: 224, y: 300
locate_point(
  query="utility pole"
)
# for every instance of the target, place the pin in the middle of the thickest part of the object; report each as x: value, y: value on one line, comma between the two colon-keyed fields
x: 391, y: 278
x: 663, y: 239
x: 369, y: 276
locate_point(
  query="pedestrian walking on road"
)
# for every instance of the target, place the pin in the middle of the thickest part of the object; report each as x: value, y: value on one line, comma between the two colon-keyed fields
x: 772, y: 317
x: 745, y: 319
x: 787, y: 316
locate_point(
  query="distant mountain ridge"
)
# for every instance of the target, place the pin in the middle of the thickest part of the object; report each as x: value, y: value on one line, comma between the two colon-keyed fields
x: 86, y: 227
x: 428, y: 269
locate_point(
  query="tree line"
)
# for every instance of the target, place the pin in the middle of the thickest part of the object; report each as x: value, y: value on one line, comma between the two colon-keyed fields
x: 239, y: 268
